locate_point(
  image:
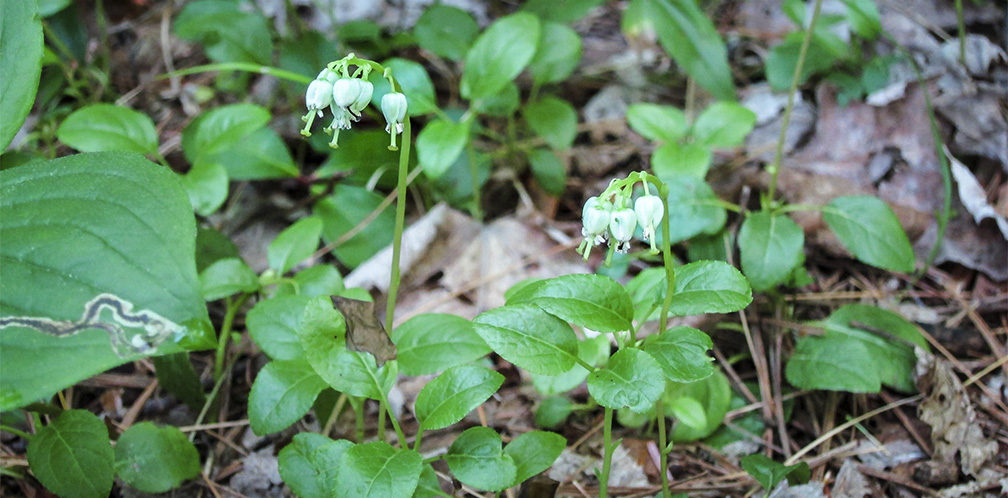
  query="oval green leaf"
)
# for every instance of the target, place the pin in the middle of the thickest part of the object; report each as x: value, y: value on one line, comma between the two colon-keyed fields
x: 632, y: 379
x: 308, y: 465
x: 342, y: 211
x: 533, y: 452
x: 558, y: 54
x: 107, y: 127
x: 723, y: 124
x: 453, y: 394
x: 221, y: 129
x: 673, y: 159
x: 72, y: 456
x: 476, y: 459
x: 273, y: 325
x: 207, y: 185
x: 282, y: 393
x: 20, y: 65
x: 870, y: 230
x: 226, y: 277
x: 439, y: 144
x: 529, y: 337
x: 593, y: 301
x: 770, y: 247
x: 294, y: 244
x: 709, y: 287
x: 682, y: 353
x: 414, y: 81
x: 499, y: 55
x: 155, y: 459
x: 377, y: 470
x: 554, y: 120
x: 445, y: 30
x: 693, y: 207
x: 432, y: 342
x: 660, y: 123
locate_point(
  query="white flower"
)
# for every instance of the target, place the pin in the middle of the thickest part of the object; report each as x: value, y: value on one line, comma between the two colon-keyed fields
x: 318, y: 97
x: 341, y: 121
x: 393, y: 106
x: 649, y: 211
x: 622, y: 227
x: 346, y: 91
x: 367, y: 90
x: 595, y: 219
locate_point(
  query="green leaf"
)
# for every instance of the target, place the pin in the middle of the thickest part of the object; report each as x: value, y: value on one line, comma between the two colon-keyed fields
x: 428, y: 486
x: 501, y: 104
x: 713, y: 394
x: 377, y: 470
x: 318, y: 280
x: 453, y: 394
x: 593, y: 301
x: 430, y: 343
x: 693, y: 207
x: 273, y: 325
x: 476, y: 459
x: 709, y: 287
x: 76, y: 228
x: 868, y: 228
x: 553, y: 411
x: 362, y: 157
x: 548, y: 170
x: 553, y: 119
x: 294, y: 244
x: 247, y: 38
x: 72, y: 456
x: 415, y: 82
x: 155, y: 459
x: 557, y: 55
x: 106, y: 127
x: 342, y: 211
x: 439, y: 144
x: 770, y: 473
x: 533, y: 452
x: 780, y: 63
x: 682, y: 353
x: 308, y: 465
x: 20, y: 65
x: 499, y: 55
x: 673, y: 159
x: 594, y: 351
x: 207, y: 185
x: 564, y: 11
x: 227, y: 277
x: 883, y: 340
x: 447, y: 31
x: 691, y: 39
x: 863, y: 16
x: 529, y: 337
x: 770, y: 247
x: 211, y: 245
x: 176, y: 374
x: 723, y: 124
x: 221, y: 130
x: 282, y: 393
x: 660, y: 123
x: 262, y: 155
x: 632, y: 379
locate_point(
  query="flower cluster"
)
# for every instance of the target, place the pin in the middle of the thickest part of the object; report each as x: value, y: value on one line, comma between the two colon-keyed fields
x: 346, y: 97
x: 610, y: 215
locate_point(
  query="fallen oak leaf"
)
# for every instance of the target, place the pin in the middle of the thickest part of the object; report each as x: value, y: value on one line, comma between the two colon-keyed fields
x: 364, y: 332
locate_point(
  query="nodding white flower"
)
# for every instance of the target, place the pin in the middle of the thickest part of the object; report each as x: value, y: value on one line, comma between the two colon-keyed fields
x: 341, y: 121
x: 595, y: 220
x: 649, y: 211
x: 367, y: 90
x: 318, y: 97
x: 393, y: 106
x: 345, y: 91
x: 622, y: 226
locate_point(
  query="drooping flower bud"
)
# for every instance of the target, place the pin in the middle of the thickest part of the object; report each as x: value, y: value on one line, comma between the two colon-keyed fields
x: 367, y: 90
x: 393, y: 106
x: 318, y: 97
x: 649, y: 211
x: 622, y: 227
x: 346, y: 91
x: 595, y: 219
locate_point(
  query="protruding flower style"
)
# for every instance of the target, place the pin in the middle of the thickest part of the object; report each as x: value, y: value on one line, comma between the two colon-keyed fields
x: 649, y: 211
x: 622, y: 226
x: 367, y: 90
x: 318, y: 97
x: 595, y: 219
x: 341, y: 121
x: 393, y: 106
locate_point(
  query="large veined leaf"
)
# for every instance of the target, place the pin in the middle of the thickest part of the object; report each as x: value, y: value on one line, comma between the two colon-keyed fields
x: 20, y: 65
x: 870, y: 230
x: 593, y: 301
x: 72, y: 456
x: 499, y: 55
x: 106, y: 240
x: 770, y: 247
x: 103, y: 127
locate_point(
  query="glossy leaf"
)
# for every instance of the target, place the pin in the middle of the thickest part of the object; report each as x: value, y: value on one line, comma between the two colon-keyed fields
x: 711, y: 394
x: 632, y: 379
x: 868, y: 228
x: 247, y: 38
x: 377, y: 470
x: 294, y: 244
x: 594, y: 351
x: 273, y: 325
x: 282, y: 393
x: 548, y: 170
x: 832, y: 363
x: 557, y: 55
x: 227, y: 277
x: 770, y: 247
x: 477, y: 459
x: 107, y: 127
x: 723, y: 124
x: 553, y: 119
x: 262, y: 155
x: 221, y: 129
x: 207, y: 185
x: 499, y: 55
x: 155, y: 459
x: 80, y: 226
x: 529, y: 337
x: 439, y: 144
x: 534, y: 452
x: 660, y: 123
x: 682, y: 353
x: 453, y: 394
x: 693, y: 207
x: 688, y: 35
x: 428, y: 485
x: 709, y: 287
x: 445, y: 30
x: 20, y: 65
x: 430, y: 343
x: 673, y: 158
x: 308, y: 465
x: 593, y: 301
x: 342, y: 211
x: 72, y: 456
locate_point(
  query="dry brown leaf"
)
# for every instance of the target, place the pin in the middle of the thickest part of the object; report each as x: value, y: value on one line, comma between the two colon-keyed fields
x: 947, y: 409
x: 364, y: 332
x: 851, y: 483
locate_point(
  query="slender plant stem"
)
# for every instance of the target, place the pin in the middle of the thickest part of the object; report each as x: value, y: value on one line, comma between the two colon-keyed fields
x: 477, y: 209
x: 400, y: 220
x: 607, y: 454
x: 662, y: 324
x: 416, y: 441
x: 241, y: 66
x: 358, y: 406
x: 961, y: 24
x: 16, y: 432
x: 662, y: 448
x: 225, y: 333
x: 786, y: 119
x: 395, y: 422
